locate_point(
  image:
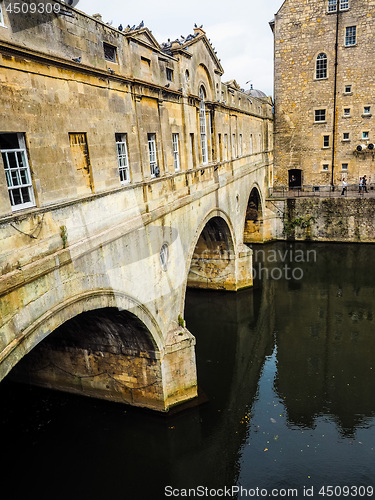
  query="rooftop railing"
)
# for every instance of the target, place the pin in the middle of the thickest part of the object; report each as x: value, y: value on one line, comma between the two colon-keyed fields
x: 325, y: 191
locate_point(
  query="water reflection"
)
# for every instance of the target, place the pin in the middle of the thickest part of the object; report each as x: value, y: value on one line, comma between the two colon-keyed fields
x: 325, y: 339
x: 234, y: 335
x: 287, y: 370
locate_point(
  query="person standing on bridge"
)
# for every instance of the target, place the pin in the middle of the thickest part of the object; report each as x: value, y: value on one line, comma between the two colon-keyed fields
x: 364, y: 182
x: 360, y: 187
x: 344, y: 187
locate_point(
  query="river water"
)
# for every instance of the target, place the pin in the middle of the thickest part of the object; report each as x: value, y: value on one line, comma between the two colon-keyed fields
x: 287, y: 380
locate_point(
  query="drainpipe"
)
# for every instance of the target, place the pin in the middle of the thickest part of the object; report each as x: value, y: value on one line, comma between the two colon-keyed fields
x: 335, y: 98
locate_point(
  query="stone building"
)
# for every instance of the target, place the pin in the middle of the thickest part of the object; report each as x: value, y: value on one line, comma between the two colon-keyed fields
x: 324, y: 92
x: 86, y: 108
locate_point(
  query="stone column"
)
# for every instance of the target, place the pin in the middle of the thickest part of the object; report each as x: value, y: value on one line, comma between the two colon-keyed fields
x: 178, y: 367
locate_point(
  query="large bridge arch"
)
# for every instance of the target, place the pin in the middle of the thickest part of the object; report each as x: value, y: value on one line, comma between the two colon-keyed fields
x: 56, y: 316
x: 134, y: 364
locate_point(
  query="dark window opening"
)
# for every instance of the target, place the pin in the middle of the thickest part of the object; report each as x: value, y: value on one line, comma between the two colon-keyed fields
x: 320, y: 115
x: 170, y: 75
x: 110, y: 53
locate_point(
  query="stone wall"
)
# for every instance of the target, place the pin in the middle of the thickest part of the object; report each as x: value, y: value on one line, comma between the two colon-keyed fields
x: 327, y: 219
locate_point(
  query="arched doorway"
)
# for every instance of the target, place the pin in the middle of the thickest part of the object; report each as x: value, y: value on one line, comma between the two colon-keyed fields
x: 253, y: 230
x: 104, y: 353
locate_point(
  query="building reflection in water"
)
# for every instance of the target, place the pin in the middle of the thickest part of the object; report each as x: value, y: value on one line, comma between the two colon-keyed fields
x: 326, y: 339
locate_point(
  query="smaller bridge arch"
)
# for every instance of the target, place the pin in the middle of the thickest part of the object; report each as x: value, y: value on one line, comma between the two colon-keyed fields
x: 216, y: 261
x: 253, y: 224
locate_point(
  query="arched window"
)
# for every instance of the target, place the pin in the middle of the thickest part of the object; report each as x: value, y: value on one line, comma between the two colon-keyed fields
x: 321, y: 66
x: 202, y: 124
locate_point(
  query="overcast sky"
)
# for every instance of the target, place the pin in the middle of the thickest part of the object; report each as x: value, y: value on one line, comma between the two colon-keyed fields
x: 238, y: 29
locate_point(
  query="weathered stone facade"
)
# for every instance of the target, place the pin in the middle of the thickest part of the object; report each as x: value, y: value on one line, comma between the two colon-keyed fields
x: 149, y: 90
x: 324, y: 92
x: 125, y: 174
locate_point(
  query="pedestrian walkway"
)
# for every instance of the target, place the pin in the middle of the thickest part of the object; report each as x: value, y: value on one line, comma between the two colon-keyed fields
x: 321, y: 191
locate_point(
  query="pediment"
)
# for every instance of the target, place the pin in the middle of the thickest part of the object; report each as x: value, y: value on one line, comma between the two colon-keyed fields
x: 145, y: 37
x: 213, y: 55
x: 203, y: 39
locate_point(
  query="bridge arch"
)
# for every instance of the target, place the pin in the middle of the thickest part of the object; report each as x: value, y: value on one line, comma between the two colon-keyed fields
x: 102, y: 344
x: 253, y: 219
x: 68, y: 309
x: 213, y: 256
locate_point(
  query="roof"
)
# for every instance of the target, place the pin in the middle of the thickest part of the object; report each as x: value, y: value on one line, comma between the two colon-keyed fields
x: 233, y: 84
x: 256, y: 93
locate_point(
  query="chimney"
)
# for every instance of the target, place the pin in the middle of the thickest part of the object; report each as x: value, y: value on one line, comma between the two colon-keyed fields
x: 199, y: 31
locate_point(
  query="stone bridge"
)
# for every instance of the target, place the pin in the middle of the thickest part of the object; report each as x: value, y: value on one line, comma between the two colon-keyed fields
x: 114, y: 296
x: 128, y: 172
